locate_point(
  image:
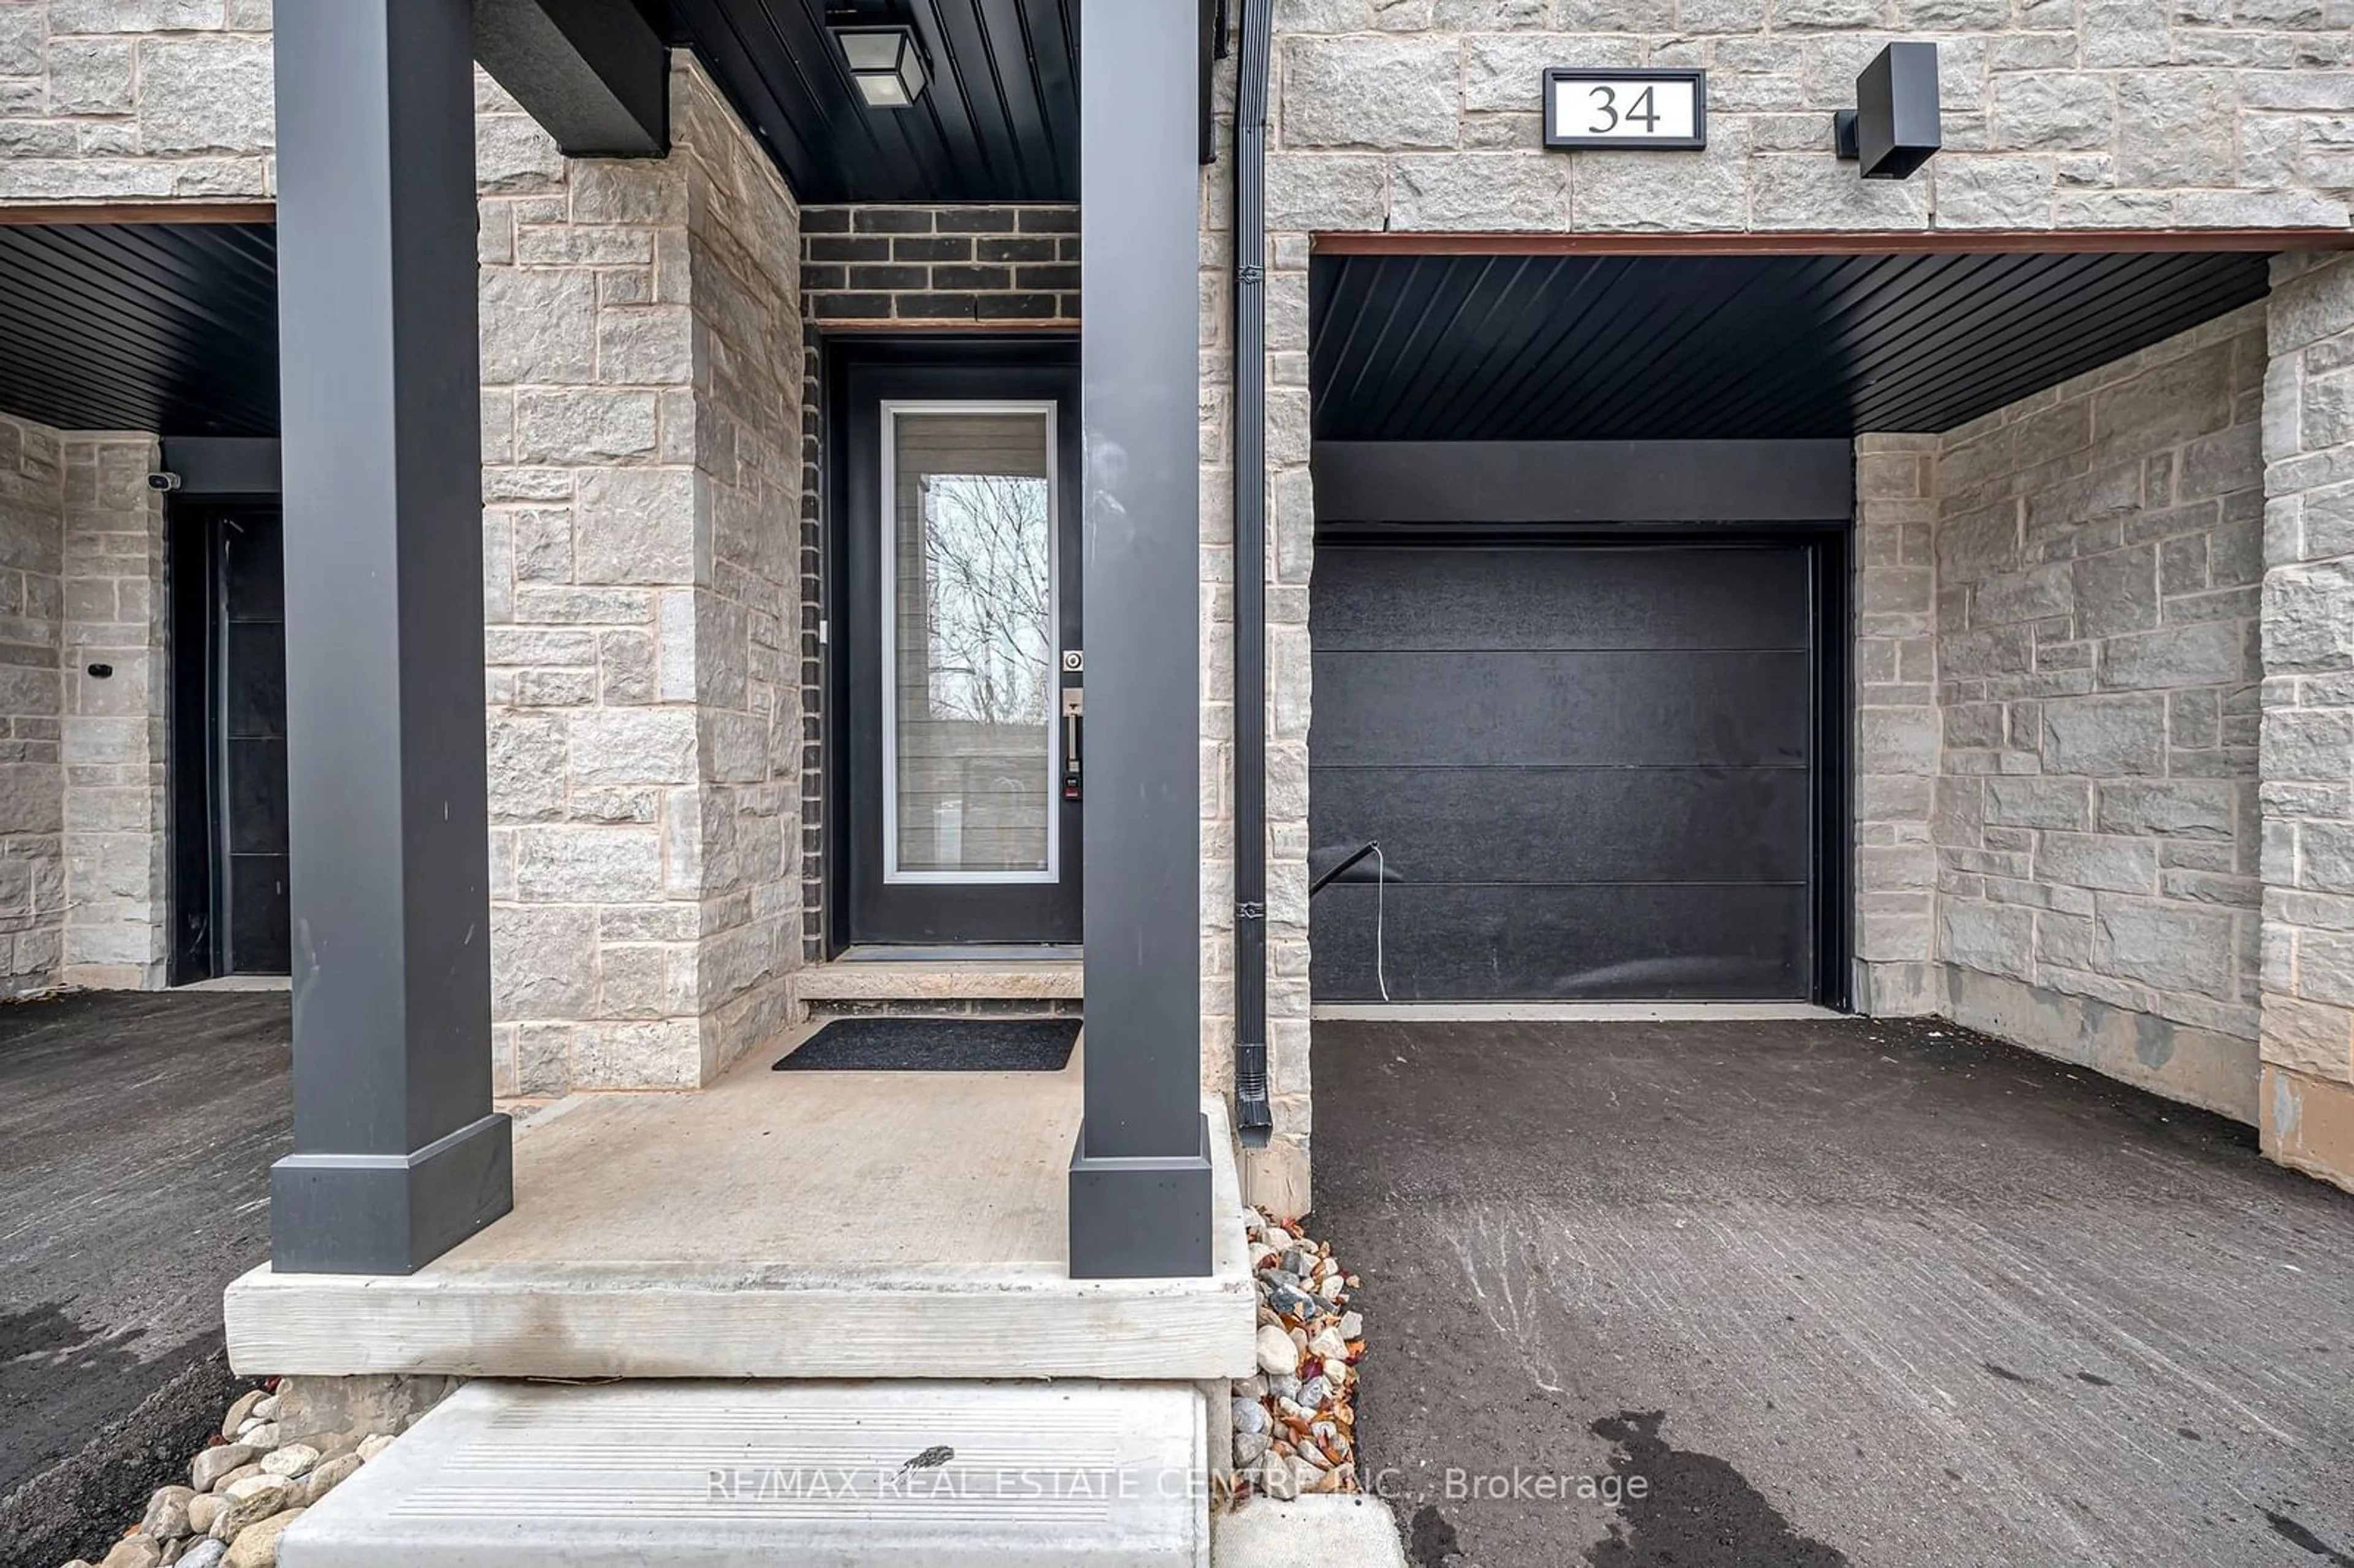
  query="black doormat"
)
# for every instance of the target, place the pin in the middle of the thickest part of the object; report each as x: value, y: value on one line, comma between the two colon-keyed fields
x: 936, y: 1045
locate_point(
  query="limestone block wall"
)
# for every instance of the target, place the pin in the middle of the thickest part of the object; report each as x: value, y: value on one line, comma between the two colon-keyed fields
x: 2306, y: 1103
x: 1424, y: 114
x: 641, y: 356
x: 32, y: 771
x: 1897, y: 973
x: 115, y: 741
x: 2098, y: 551
x: 135, y: 101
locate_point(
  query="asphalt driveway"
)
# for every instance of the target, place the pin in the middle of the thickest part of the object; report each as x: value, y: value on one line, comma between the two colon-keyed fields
x: 1834, y: 1293
x: 136, y: 1132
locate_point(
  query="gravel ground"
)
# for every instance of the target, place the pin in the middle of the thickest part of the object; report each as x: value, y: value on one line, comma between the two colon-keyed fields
x: 1835, y: 1293
x: 136, y: 1132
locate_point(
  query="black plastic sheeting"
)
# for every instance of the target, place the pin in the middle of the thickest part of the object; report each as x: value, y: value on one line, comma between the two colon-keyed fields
x: 1589, y: 770
x: 171, y: 328
x: 1681, y: 347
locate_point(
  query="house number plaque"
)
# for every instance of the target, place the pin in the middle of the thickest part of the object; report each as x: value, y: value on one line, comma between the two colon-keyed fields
x: 1625, y: 108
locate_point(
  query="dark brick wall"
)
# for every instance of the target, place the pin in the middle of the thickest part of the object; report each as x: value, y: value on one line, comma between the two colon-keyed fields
x: 875, y: 267
x: 940, y: 264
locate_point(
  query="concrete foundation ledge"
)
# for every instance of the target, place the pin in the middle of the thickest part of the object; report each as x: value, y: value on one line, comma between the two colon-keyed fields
x: 2197, y: 1067
x: 2308, y: 1123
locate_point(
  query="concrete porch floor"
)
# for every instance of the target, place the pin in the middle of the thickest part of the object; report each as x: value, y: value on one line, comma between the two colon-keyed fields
x: 779, y: 1225
x: 1842, y: 1292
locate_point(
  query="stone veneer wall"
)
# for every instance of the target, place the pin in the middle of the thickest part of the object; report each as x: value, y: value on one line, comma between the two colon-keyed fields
x: 2306, y: 1103
x: 116, y: 743
x: 2098, y: 550
x: 135, y: 101
x: 1896, y: 736
x: 641, y: 351
x: 914, y: 266
x: 82, y: 846
x: 32, y: 772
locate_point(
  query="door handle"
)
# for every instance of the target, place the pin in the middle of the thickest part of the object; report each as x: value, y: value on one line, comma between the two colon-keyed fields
x: 1074, y: 711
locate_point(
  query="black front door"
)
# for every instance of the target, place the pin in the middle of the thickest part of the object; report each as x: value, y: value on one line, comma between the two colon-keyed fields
x: 957, y: 482
x: 231, y: 907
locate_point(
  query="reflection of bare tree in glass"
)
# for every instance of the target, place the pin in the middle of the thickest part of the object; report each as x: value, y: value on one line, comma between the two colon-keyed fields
x: 987, y: 571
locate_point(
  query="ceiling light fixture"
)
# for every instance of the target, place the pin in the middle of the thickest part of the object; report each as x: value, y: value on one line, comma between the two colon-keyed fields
x: 887, y: 62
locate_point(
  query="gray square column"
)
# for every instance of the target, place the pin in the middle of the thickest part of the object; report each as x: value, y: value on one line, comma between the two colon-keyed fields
x: 397, y: 1155
x: 1140, y: 1175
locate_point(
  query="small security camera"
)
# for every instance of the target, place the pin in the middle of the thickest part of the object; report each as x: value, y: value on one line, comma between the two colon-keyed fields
x: 163, y: 481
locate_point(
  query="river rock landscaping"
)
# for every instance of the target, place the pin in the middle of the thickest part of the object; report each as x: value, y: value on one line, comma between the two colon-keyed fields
x: 1295, y: 1420
x: 244, y: 1488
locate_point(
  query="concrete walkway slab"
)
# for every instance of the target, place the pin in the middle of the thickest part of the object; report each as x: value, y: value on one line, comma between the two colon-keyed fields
x: 719, y: 1475
x: 1307, y: 1533
x: 1833, y: 1292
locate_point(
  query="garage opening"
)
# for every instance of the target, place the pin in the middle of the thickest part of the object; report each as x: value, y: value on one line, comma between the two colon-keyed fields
x: 1593, y: 721
x: 1581, y: 618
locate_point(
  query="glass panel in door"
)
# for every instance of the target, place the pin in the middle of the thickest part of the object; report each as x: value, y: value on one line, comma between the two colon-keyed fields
x: 969, y: 665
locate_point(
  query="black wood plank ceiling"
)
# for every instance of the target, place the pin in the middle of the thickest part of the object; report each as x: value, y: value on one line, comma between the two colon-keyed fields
x: 1471, y: 347
x: 998, y: 120
x: 171, y: 328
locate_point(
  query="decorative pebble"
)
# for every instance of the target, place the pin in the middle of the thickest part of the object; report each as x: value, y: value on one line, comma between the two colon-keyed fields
x: 241, y: 1412
x: 1293, y: 1421
x: 166, y: 1519
x: 257, y: 1545
x: 207, y: 1468
x: 244, y: 1494
x: 1278, y: 1356
x: 293, y: 1460
x: 331, y: 1472
x: 132, y: 1551
x: 251, y: 1502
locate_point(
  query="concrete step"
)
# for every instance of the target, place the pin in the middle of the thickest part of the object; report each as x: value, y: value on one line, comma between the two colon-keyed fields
x: 945, y: 979
x: 1066, y: 1474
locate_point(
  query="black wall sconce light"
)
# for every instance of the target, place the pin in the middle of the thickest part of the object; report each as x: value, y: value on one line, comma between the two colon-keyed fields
x: 887, y: 62
x: 1893, y: 129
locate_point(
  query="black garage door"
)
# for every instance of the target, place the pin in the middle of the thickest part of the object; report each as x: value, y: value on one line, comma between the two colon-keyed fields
x: 1589, y: 770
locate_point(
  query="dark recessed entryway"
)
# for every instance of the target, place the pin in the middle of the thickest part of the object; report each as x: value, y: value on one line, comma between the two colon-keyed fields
x: 1579, y: 613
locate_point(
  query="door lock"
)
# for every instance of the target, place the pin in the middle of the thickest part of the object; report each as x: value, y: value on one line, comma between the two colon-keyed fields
x: 1073, y: 710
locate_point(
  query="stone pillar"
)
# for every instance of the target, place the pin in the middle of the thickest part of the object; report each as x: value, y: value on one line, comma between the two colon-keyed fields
x: 2307, y: 1039
x: 643, y: 384
x: 1896, y: 728
x: 32, y: 776
x: 115, y: 725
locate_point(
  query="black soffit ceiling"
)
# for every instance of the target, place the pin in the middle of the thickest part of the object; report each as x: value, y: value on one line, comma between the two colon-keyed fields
x: 1471, y: 347
x: 999, y: 121
x: 141, y: 326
